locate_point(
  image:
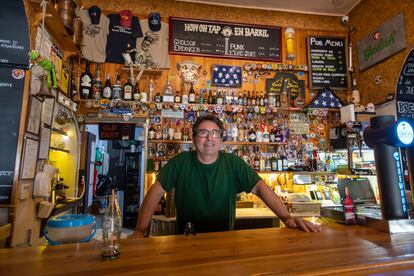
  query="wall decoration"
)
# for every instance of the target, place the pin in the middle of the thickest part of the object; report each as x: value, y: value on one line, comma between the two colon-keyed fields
x: 29, y: 159
x: 45, y: 134
x: 35, y: 111
x: 326, y: 99
x: 227, y: 76
x: 47, y: 111
x: 387, y: 40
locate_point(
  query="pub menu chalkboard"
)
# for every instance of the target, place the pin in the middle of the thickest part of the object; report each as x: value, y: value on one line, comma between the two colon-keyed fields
x: 11, y: 95
x: 405, y: 85
x: 14, y: 40
x: 222, y: 39
x: 327, y: 63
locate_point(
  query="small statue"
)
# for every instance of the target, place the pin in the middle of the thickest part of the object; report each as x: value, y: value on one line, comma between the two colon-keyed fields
x: 47, y: 65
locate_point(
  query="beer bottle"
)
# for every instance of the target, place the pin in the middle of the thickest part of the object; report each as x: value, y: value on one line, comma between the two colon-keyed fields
x: 86, y: 82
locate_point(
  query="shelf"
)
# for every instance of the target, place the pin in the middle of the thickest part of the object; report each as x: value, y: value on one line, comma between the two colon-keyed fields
x: 147, y: 72
x: 55, y: 27
x: 58, y: 149
x: 58, y: 131
x: 224, y: 143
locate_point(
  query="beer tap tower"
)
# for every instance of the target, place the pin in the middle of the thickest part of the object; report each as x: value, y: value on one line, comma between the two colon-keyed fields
x: 387, y: 137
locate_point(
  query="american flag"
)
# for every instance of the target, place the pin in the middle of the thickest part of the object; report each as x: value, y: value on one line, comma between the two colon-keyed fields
x: 326, y: 99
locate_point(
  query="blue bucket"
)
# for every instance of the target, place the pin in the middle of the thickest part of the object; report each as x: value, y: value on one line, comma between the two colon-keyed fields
x: 70, y: 228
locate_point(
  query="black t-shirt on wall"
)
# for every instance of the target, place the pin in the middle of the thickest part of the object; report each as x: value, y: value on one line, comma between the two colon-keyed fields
x: 119, y: 37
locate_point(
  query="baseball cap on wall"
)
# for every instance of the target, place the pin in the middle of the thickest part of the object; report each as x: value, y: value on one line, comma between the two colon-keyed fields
x: 154, y: 21
x: 126, y: 18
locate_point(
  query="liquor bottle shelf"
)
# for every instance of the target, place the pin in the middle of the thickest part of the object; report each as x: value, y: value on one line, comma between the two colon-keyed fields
x: 56, y: 28
x: 147, y: 72
x: 224, y: 143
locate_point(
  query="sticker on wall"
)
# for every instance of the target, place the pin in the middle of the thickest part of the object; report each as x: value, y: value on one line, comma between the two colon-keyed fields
x: 227, y: 76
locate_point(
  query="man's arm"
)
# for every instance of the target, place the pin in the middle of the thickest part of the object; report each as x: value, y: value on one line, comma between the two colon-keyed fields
x: 276, y: 205
x: 147, y: 209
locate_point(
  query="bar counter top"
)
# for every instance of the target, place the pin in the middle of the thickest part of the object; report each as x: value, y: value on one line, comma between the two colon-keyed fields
x: 338, y: 249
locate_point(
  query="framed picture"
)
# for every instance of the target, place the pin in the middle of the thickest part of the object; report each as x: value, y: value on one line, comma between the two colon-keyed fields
x: 47, y: 111
x: 35, y: 111
x: 45, y: 134
x: 28, y: 166
x: 226, y: 76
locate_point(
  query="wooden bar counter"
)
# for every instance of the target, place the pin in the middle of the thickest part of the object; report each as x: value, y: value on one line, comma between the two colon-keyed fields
x: 339, y: 249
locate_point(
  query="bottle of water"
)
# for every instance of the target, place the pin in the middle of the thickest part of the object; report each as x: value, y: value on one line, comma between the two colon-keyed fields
x: 111, y: 228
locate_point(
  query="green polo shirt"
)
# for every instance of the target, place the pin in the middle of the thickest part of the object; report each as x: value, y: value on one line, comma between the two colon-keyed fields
x: 205, y: 194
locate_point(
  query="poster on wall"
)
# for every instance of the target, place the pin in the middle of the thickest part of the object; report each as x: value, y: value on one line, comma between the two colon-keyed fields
x: 327, y: 63
x: 14, y: 40
x: 385, y: 41
x: 224, y: 39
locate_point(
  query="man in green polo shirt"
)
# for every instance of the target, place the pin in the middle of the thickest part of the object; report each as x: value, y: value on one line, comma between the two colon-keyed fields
x: 206, y: 183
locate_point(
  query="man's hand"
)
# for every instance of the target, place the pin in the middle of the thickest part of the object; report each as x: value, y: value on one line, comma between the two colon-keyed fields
x: 136, y: 235
x: 302, y: 224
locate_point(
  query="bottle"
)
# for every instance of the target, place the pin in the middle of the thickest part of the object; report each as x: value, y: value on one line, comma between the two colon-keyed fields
x: 111, y: 228
x: 210, y: 97
x: 137, y: 93
x: 253, y: 99
x: 271, y: 99
x: 117, y: 89
x: 348, y: 208
x: 259, y: 135
x: 128, y: 90
x: 240, y: 99
x: 252, y: 134
x: 151, y: 132
x: 244, y: 98
x: 266, y: 135
x: 234, y: 132
x: 273, y: 161
x: 107, y: 89
x: 97, y: 84
x: 86, y: 83
x: 73, y: 90
x: 168, y: 92
x: 285, y: 163
x: 186, y: 132
x: 191, y: 95
x: 261, y: 99
x: 144, y: 94
x: 219, y: 98
x: 177, y: 98
x: 249, y: 99
x: 184, y: 98
x: 150, y: 90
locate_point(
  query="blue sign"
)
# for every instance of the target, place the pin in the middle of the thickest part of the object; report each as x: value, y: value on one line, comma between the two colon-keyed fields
x: 227, y: 76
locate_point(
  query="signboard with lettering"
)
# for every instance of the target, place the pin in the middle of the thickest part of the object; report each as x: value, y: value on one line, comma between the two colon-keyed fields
x: 286, y: 82
x: 14, y: 40
x: 114, y: 131
x: 223, y: 39
x: 11, y: 95
x: 327, y: 63
x: 405, y: 84
x: 385, y: 41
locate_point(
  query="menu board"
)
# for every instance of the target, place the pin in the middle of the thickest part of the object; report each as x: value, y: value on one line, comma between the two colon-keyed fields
x: 223, y: 39
x: 14, y: 35
x: 405, y: 85
x: 327, y: 63
x: 11, y: 95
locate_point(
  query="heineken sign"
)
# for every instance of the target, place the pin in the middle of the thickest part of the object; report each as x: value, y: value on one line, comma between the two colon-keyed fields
x: 382, y: 43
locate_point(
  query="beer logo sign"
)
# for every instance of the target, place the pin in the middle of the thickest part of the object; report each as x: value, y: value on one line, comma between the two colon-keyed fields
x: 18, y: 74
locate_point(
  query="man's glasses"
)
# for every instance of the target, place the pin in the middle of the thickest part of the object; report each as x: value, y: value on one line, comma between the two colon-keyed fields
x: 203, y: 133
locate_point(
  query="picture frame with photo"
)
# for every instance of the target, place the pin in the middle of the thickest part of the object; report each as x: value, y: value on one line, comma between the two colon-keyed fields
x: 47, y: 111
x: 29, y: 158
x: 34, y: 119
x: 45, y: 135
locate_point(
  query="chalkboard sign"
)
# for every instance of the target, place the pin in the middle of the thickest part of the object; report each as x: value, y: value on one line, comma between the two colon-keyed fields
x: 11, y: 94
x: 327, y: 63
x: 405, y: 84
x: 286, y: 82
x: 14, y: 34
x: 222, y: 39
x: 113, y: 131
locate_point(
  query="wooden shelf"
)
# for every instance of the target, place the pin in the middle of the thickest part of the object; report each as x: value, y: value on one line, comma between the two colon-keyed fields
x: 54, y: 25
x: 170, y: 141
x: 147, y: 72
x: 58, y: 149
x: 55, y: 130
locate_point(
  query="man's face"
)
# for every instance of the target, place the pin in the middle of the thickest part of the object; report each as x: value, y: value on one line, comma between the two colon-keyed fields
x: 207, y: 140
